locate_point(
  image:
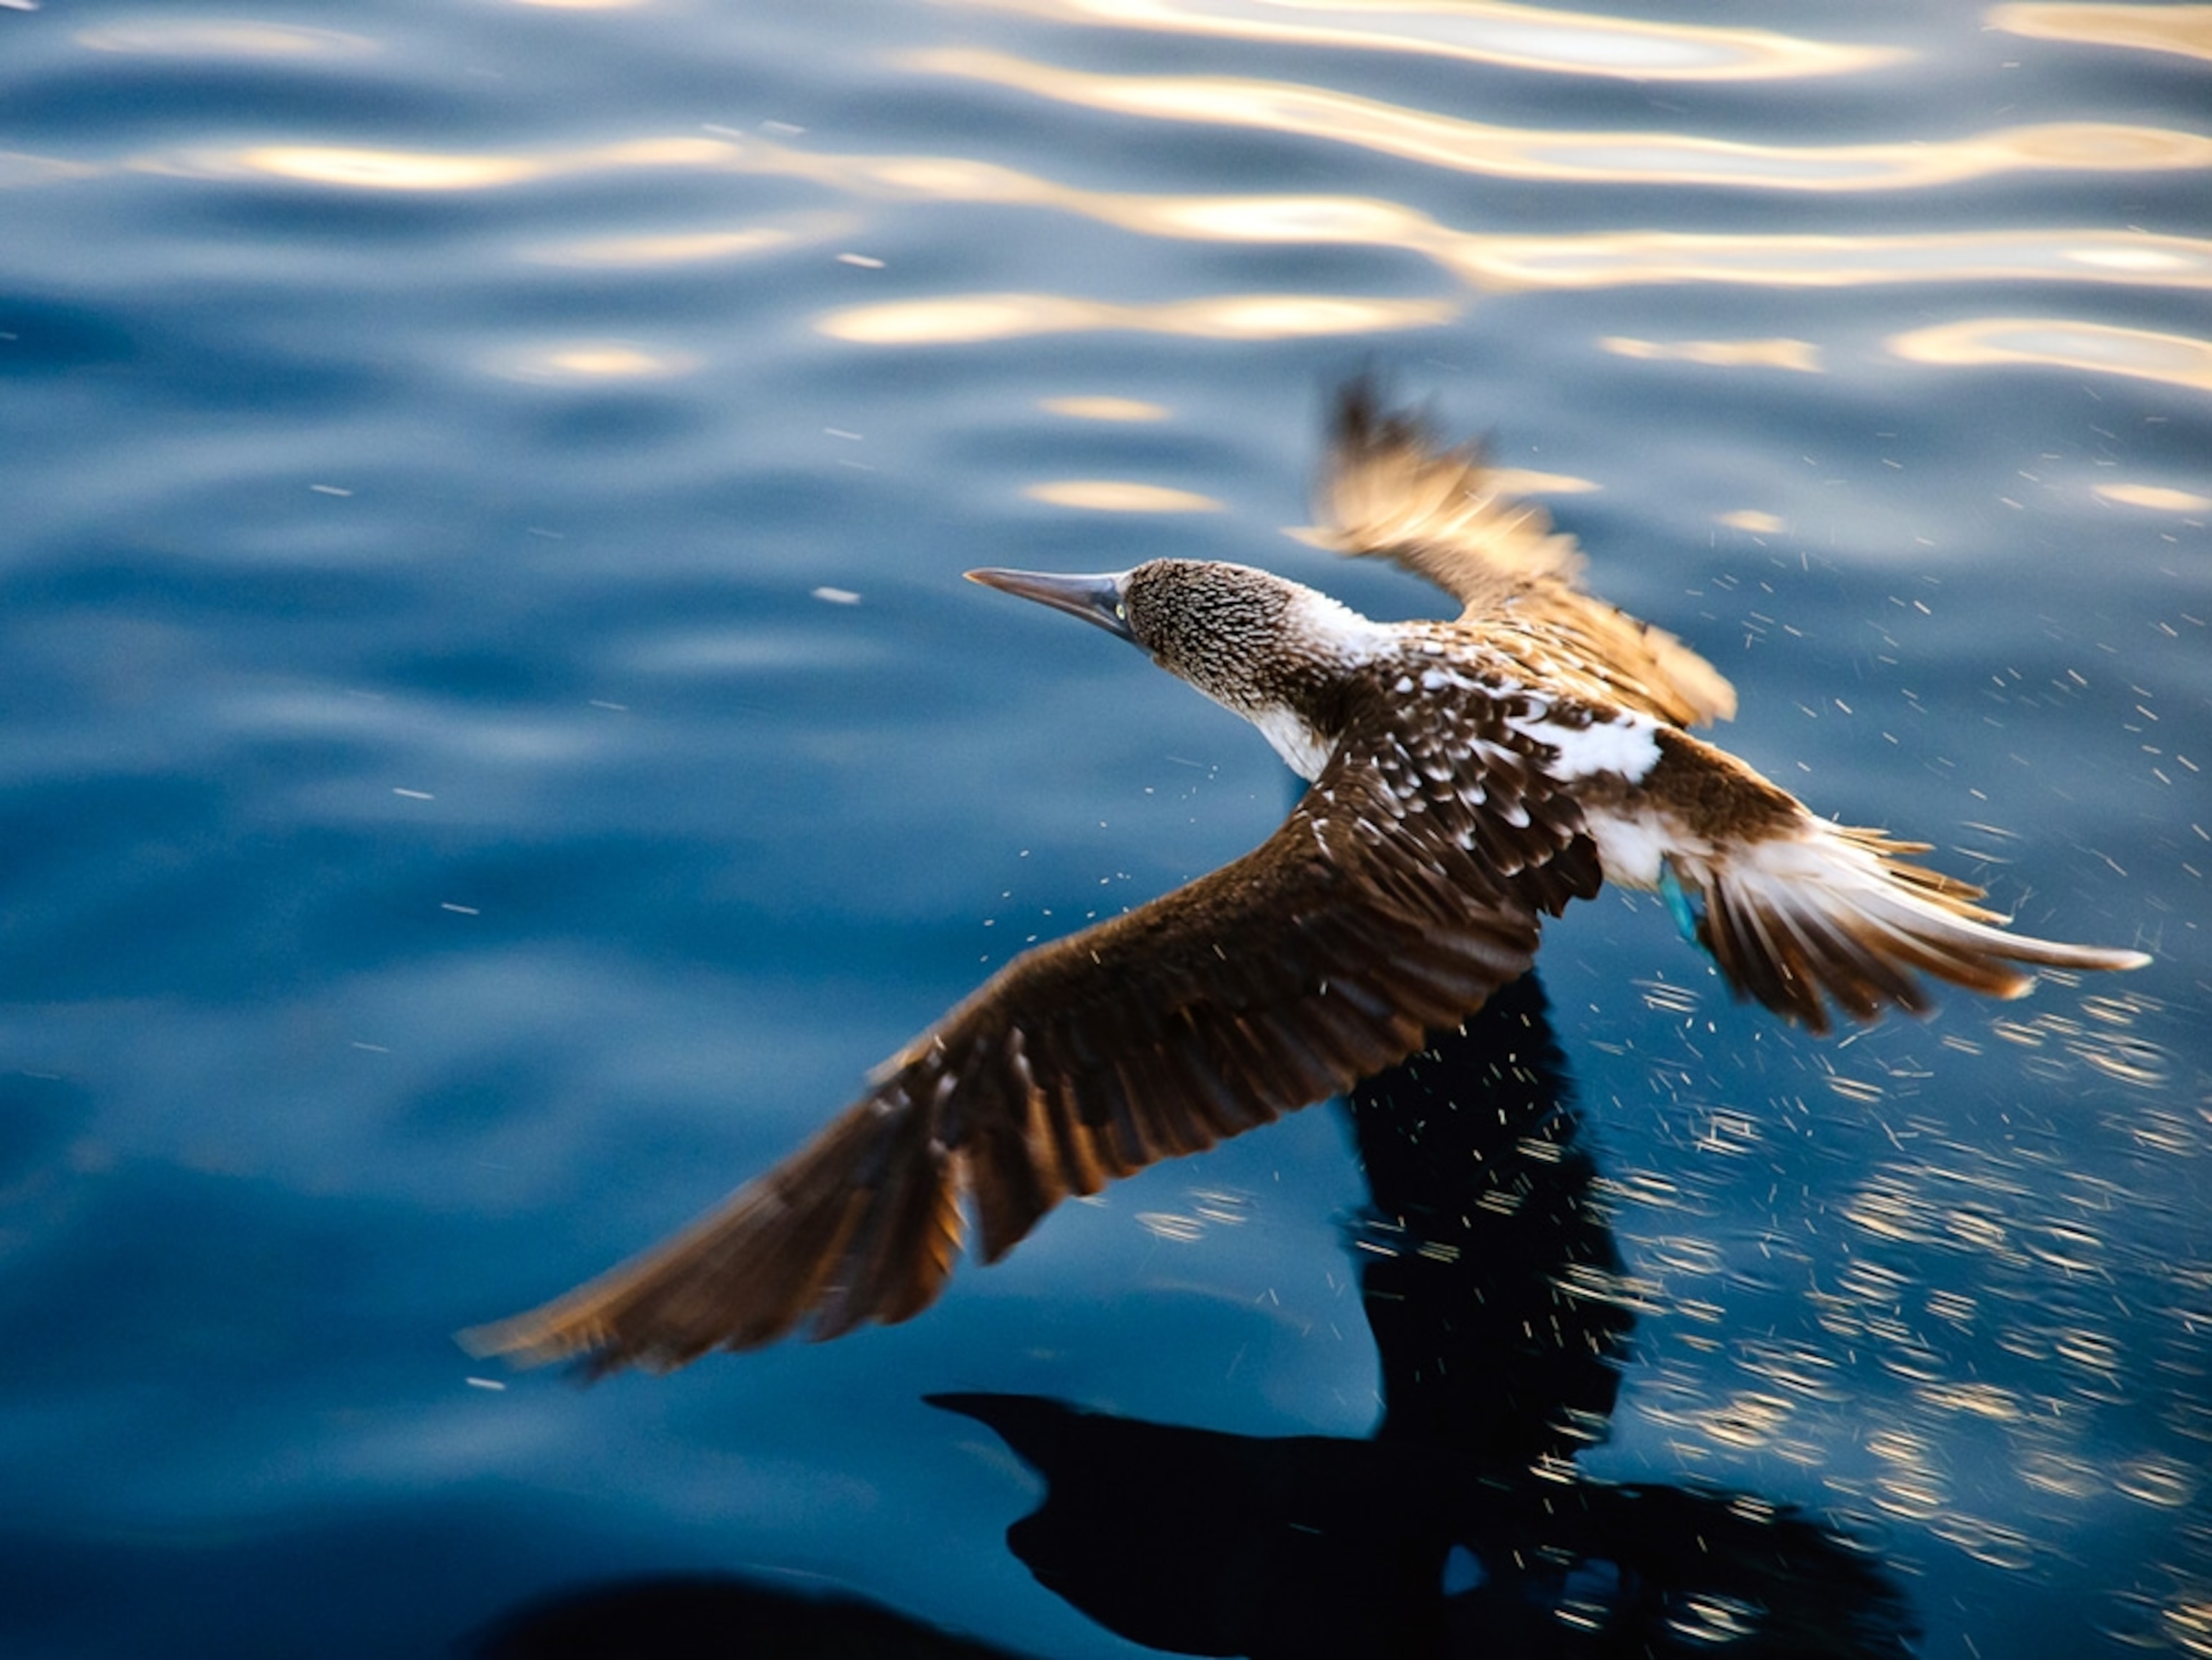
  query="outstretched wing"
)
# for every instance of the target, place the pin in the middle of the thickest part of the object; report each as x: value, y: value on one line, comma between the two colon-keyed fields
x: 1391, y: 492
x: 1387, y: 905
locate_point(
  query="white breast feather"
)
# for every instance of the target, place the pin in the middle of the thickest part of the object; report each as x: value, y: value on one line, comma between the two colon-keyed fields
x: 1304, y: 750
x: 1354, y: 639
x: 1630, y: 846
x: 1624, y: 747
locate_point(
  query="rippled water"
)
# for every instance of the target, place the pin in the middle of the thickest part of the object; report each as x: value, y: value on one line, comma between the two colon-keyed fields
x: 497, y: 745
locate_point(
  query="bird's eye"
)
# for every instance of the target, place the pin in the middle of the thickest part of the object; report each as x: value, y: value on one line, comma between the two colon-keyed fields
x: 1120, y: 612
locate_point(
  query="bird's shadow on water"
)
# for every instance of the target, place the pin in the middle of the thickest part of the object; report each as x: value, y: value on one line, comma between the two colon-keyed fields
x: 1490, y: 1278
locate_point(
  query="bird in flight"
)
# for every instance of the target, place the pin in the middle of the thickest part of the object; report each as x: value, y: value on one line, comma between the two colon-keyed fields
x: 1466, y: 779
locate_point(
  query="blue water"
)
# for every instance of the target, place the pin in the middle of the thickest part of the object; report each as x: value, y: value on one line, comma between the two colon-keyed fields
x: 497, y: 744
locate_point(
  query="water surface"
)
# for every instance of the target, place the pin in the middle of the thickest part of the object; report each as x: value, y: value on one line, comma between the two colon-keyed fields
x: 498, y: 745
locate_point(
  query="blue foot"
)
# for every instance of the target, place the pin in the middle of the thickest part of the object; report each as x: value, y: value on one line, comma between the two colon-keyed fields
x: 1678, y: 904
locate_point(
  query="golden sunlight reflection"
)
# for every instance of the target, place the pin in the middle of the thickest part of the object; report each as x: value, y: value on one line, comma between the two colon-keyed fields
x: 1951, y: 1249
x: 1508, y: 264
x: 1976, y: 1400
x: 2158, y: 498
x: 429, y: 170
x: 182, y: 39
x: 2151, y: 1480
x: 1644, y: 158
x: 368, y: 170
x: 1484, y: 31
x: 1488, y: 263
x: 2061, y: 1475
x: 1110, y: 495
x: 960, y: 319
x: 1103, y: 408
x: 1986, y: 1542
x: 1753, y: 521
x: 1617, y: 258
x: 2184, y: 29
x: 1799, y: 354
x: 2063, y: 343
x: 588, y: 360
x: 685, y: 247
x: 2057, y: 1040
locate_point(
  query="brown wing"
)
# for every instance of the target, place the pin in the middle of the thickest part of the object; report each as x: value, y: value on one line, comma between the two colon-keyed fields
x: 1391, y: 491
x: 1386, y: 905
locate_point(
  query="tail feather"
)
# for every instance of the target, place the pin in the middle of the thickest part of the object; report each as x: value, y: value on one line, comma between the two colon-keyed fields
x: 1831, y: 915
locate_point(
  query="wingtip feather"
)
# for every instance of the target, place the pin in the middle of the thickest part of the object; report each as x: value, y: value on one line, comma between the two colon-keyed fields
x: 806, y: 1243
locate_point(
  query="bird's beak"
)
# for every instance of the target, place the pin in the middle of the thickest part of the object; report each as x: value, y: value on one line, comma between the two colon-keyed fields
x: 1094, y: 598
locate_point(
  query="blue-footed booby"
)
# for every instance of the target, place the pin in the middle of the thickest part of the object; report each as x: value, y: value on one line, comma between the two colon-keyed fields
x: 1467, y: 778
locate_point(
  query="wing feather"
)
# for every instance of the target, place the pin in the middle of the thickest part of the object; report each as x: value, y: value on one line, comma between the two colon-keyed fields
x: 1280, y: 980
x: 1391, y: 491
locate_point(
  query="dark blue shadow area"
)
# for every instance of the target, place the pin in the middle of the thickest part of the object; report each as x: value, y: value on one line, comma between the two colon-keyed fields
x: 1493, y: 1288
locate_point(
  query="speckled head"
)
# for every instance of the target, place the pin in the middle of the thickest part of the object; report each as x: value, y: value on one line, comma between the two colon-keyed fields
x: 1247, y: 638
x: 1272, y: 650
x: 1222, y: 627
